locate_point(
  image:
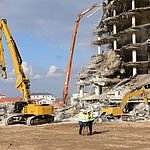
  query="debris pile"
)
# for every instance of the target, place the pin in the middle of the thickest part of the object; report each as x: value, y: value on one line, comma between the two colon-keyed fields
x: 104, y: 66
x: 140, y: 112
x: 122, y: 63
x: 5, y: 109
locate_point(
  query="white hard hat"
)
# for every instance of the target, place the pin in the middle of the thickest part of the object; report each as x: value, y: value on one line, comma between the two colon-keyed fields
x: 82, y: 110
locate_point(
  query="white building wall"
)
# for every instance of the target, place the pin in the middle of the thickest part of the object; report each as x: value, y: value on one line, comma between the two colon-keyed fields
x: 49, y: 99
x: 3, y: 96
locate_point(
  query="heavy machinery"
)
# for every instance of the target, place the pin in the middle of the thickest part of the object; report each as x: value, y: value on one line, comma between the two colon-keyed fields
x: 24, y: 111
x: 69, y: 66
x: 118, y: 111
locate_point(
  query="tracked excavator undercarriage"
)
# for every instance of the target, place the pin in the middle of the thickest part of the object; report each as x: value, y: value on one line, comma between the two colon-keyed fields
x: 30, y: 114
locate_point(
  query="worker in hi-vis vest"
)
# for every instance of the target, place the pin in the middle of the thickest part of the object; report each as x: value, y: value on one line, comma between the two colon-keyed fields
x: 90, y: 122
x: 83, y: 121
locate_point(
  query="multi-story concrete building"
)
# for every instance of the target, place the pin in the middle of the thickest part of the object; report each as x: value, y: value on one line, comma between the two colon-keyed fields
x: 123, y: 41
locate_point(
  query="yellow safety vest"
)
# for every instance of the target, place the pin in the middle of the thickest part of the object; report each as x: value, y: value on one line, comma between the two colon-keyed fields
x: 86, y: 118
x: 90, y: 116
x: 83, y: 117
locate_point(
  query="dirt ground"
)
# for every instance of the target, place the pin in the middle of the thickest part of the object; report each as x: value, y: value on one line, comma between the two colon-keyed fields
x: 60, y: 136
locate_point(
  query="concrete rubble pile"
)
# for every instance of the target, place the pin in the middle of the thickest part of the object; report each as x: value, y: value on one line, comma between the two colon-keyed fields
x: 109, y: 95
x: 70, y: 114
x: 103, y: 66
x: 140, y: 112
x: 124, y: 87
x: 122, y: 62
x: 5, y: 109
x: 66, y: 114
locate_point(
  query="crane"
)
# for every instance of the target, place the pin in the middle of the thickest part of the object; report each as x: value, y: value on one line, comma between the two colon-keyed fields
x: 69, y: 66
x: 24, y: 111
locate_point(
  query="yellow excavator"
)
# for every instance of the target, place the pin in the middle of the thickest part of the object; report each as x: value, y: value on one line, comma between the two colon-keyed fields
x: 118, y: 111
x: 24, y: 111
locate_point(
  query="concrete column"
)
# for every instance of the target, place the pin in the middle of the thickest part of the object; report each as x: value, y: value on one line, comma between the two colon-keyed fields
x: 133, y: 4
x: 114, y: 31
x: 99, y: 50
x: 98, y: 89
x: 133, y: 38
x: 133, y: 21
x: 81, y: 88
x: 114, y: 13
x: 115, y: 44
x: 134, y: 60
x: 134, y: 56
x: 134, y: 71
x: 134, y: 53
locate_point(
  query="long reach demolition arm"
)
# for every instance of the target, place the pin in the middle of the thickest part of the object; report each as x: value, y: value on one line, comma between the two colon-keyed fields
x: 22, y: 82
x: 66, y: 84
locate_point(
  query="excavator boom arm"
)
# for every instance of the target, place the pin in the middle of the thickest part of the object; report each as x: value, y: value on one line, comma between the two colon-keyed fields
x: 141, y: 91
x: 66, y: 85
x: 2, y: 59
x: 22, y: 82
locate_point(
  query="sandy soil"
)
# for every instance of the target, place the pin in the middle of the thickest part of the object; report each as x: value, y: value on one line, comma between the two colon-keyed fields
x: 108, y: 136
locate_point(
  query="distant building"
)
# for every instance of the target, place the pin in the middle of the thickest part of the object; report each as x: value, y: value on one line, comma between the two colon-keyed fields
x: 4, y: 99
x: 2, y: 96
x: 43, y: 98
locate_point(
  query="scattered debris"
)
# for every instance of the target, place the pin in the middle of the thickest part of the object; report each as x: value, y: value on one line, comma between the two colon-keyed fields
x: 121, y: 65
x: 5, y: 109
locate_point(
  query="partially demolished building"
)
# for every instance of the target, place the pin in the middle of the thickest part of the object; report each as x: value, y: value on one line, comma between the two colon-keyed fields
x: 123, y: 51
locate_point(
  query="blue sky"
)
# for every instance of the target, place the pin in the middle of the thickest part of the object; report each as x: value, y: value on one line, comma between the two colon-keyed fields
x: 43, y: 31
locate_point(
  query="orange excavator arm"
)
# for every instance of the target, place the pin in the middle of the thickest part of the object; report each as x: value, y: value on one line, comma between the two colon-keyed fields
x: 66, y: 84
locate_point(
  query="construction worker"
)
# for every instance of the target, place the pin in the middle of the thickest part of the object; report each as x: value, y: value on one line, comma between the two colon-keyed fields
x: 83, y: 121
x: 81, y: 118
x: 90, y: 121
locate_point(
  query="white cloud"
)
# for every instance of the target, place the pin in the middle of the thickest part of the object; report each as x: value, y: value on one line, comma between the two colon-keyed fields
x: 11, y: 77
x: 27, y: 69
x: 29, y: 72
x: 54, y: 72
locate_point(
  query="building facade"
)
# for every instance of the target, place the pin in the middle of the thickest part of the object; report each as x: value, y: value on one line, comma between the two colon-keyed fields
x: 2, y: 96
x: 123, y: 41
x: 43, y: 98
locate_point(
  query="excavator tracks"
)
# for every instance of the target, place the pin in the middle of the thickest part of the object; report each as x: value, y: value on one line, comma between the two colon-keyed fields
x: 35, y: 120
x: 29, y: 120
x: 14, y: 119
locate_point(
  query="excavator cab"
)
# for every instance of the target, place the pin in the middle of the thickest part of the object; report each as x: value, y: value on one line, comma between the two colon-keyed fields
x: 19, y: 106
